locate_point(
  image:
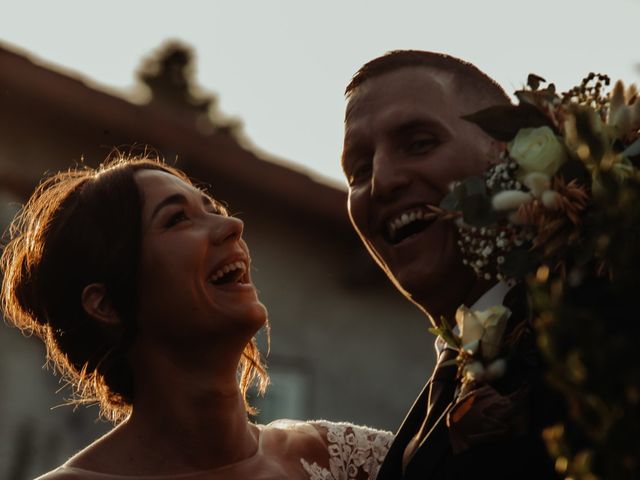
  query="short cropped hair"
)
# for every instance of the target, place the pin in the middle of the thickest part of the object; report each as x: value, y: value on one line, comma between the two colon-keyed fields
x: 467, y: 76
x: 83, y: 226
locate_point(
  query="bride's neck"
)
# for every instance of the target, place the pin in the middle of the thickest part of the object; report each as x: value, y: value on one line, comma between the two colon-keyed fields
x: 195, y: 412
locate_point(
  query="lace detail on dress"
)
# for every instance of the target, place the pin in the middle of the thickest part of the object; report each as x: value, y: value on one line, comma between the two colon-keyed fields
x: 354, y: 452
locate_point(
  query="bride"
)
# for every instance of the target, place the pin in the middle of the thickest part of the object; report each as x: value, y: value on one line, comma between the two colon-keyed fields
x: 139, y: 285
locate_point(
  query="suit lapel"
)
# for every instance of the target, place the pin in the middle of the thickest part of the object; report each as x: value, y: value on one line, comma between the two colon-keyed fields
x: 392, y: 466
x: 432, y: 449
x: 435, y: 442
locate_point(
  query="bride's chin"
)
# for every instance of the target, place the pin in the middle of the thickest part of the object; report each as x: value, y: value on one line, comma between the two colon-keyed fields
x: 256, y: 315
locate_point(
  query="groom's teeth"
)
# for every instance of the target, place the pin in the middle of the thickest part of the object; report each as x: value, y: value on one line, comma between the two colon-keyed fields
x: 405, y: 218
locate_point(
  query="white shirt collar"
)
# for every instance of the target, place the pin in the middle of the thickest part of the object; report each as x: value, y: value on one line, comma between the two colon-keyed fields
x: 494, y: 296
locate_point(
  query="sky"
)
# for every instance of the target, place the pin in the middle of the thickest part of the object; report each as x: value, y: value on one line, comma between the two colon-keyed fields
x: 280, y: 66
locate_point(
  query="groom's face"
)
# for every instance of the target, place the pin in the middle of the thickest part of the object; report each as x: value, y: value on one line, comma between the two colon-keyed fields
x: 405, y: 143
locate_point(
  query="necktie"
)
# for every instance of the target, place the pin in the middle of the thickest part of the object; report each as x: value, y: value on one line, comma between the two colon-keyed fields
x: 441, y: 390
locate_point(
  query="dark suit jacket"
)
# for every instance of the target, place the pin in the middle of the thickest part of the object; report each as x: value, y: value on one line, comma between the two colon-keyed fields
x: 523, y: 457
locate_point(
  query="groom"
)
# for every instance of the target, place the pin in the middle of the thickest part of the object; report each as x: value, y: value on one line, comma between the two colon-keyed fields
x: 405, y: 143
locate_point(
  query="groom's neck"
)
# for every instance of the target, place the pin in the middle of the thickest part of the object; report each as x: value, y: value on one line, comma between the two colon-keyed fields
x: 438, y: 306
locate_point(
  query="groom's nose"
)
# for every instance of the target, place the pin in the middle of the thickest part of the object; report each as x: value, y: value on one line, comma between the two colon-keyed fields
x: 388, y: 177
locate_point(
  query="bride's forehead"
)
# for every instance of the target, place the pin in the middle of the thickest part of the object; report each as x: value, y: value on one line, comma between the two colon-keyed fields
x: 154, y: 183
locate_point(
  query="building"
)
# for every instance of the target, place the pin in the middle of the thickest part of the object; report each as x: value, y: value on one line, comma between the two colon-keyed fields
x: 344, y: 346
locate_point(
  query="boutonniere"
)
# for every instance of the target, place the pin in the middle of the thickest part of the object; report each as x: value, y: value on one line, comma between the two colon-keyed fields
x: 479, y: 344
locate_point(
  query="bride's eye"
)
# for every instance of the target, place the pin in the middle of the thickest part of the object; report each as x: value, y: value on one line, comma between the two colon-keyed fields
x: 176, y: 218
x: 214, y: 207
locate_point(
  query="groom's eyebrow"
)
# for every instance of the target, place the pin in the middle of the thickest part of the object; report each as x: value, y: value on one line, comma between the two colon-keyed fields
x: 412, y: 125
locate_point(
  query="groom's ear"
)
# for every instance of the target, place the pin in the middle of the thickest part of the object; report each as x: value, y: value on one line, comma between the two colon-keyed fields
x: 97, y: 304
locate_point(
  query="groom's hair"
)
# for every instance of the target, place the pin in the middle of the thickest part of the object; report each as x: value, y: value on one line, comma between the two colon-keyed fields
x: 467, y: 77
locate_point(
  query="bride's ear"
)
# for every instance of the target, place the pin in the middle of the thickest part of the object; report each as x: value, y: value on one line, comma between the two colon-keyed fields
x: 97, y: 305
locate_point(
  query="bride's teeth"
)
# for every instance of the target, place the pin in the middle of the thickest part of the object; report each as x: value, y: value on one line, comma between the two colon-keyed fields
x: 226, y: 269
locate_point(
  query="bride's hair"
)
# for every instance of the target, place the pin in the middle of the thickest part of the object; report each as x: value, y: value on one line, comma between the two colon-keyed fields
x: 80, y: 227
x: 468, y: 77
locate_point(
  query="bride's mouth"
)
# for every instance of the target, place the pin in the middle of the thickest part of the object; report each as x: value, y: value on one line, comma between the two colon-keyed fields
x: 407, y: 223
x: 233, y: 273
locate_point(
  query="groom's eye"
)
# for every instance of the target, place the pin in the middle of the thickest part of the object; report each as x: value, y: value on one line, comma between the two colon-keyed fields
x: 359, y: 172
x: 419, y: 144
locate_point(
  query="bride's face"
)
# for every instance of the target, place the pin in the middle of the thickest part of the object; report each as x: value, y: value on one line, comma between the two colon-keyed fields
x: 194, y: 281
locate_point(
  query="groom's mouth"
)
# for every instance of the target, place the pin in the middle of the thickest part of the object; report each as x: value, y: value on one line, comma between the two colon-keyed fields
x: 407, y: 223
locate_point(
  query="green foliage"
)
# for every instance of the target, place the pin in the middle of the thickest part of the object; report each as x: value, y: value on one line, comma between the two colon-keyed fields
x: 632, y: 150
x: 471, y: 198
x: 445, y: 331
x: 588, y: 330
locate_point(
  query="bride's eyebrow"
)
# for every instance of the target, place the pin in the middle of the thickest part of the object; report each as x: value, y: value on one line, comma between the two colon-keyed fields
x: 176, y: 198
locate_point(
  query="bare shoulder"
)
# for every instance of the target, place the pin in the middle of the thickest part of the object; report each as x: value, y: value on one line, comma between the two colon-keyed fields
x: 345, y: 450
x: 317, y: 440
x: 62, y: 473
x: 294, y: 437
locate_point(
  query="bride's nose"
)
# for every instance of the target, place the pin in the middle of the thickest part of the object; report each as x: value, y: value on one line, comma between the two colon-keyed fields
x: 225, y: 229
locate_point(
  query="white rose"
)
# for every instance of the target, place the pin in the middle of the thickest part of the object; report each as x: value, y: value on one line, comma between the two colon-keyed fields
x: 537, y: 150
x: 484, y: 328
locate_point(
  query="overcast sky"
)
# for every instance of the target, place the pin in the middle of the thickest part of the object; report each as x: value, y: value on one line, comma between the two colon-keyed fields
x: 281, y: 66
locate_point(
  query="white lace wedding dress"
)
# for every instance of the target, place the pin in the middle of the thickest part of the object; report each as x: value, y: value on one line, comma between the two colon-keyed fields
x: 353, y: 452
x: 316, y: 450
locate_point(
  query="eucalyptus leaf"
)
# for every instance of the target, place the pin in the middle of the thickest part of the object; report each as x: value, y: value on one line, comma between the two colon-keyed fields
x: 632, y: 150
x: 477, y: 211
x: 503, y: 122
x: 475, y: 186
x: 451, y: 202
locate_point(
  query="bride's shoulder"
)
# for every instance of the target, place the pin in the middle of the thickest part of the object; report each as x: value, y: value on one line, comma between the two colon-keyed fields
x: 321, y: 430
x: 62, y: 473
x: 331, y: 450
x: 323, y: 435
x: 292, y: 433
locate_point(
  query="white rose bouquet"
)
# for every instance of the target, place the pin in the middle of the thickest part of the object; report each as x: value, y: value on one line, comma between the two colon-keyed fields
x: 560, y: 213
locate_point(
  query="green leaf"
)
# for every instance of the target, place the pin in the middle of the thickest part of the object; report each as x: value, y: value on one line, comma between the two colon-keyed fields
x: 435, y: 331
x: 477, y: 211
x: 446, y: 334
x: 632, y: 150
x: 503, y: 122
x: 475, y: 186
x: 451, y: 202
